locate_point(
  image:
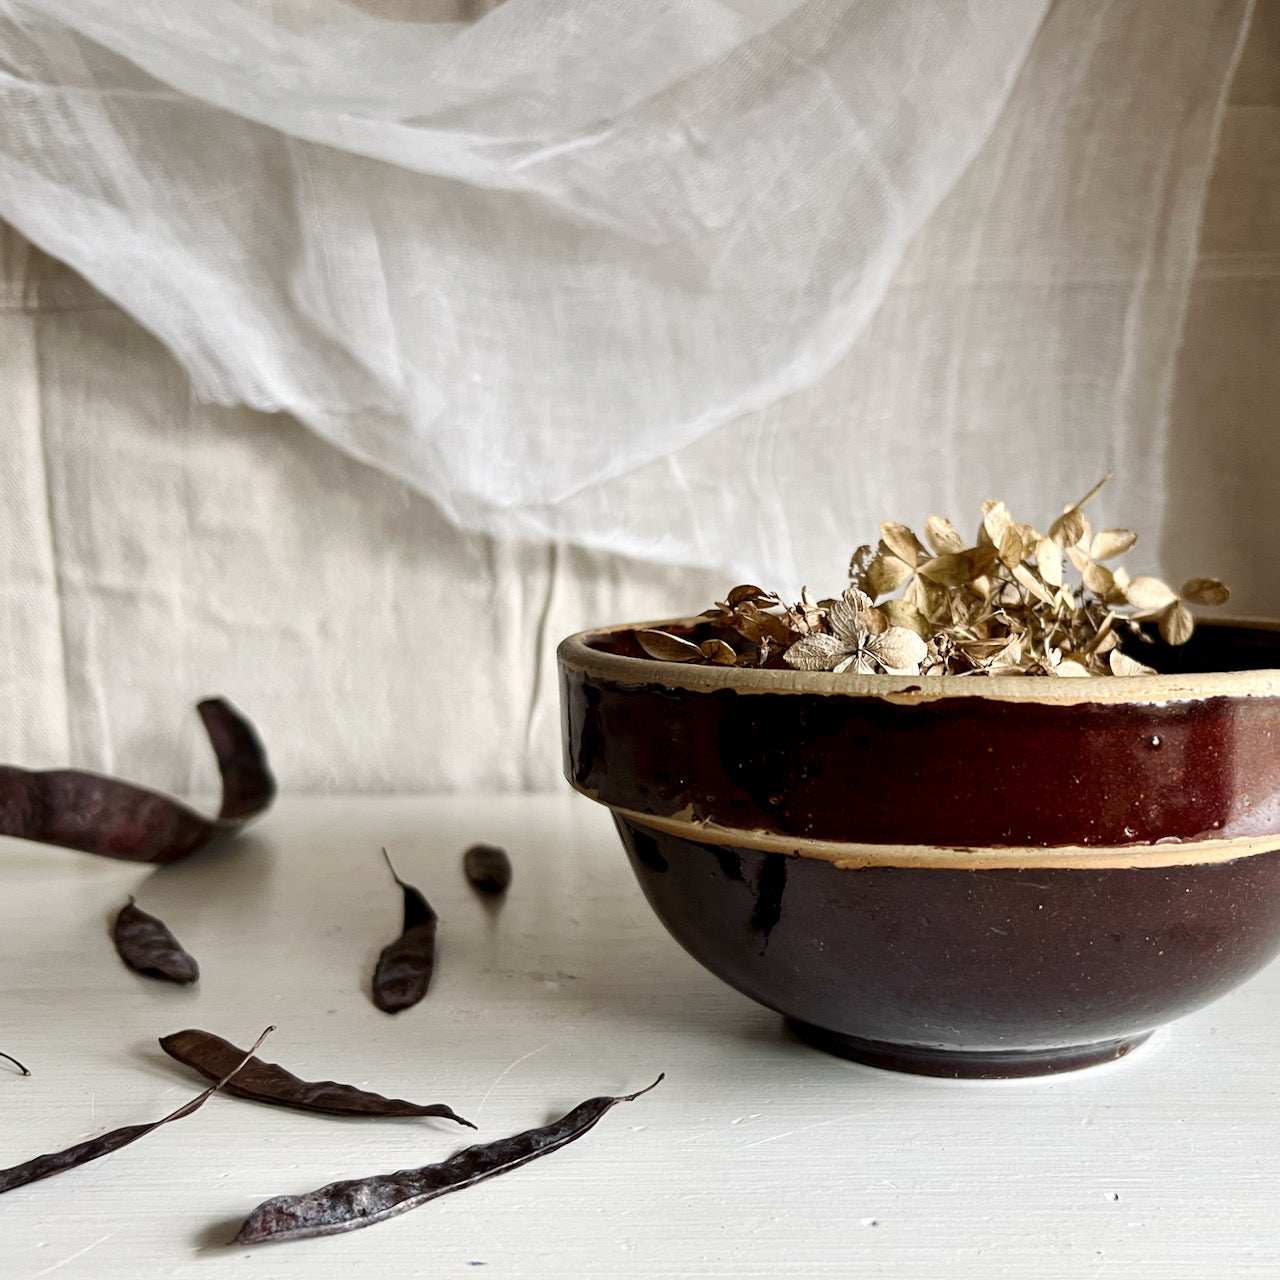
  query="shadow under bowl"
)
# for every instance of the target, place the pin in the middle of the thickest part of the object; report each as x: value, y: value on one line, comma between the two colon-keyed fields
x: 962, y: 877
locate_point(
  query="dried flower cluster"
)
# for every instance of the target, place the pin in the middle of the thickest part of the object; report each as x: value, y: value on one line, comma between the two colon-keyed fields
x: 1002, y: 606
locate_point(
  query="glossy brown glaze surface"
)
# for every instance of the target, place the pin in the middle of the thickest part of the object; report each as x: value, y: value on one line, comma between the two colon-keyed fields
x: 947, y: 772
x: 982, y: 877
x: 1045, y: 968
x: 954, y: 771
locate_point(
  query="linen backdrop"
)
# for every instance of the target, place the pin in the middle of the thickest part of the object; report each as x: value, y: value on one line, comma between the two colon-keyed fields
x: 155, y: 548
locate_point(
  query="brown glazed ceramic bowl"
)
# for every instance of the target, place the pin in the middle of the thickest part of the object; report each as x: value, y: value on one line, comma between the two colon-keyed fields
x: 966, y: 877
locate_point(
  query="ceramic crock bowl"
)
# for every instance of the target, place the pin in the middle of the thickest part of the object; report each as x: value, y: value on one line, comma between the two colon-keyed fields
x: 948, y: 875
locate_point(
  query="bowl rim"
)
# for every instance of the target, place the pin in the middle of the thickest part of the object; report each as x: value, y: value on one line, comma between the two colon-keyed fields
x: 577, y: 653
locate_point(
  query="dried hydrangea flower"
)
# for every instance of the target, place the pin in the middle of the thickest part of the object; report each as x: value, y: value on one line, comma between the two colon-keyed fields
x: 1004, y: 605
x: 861, y: 639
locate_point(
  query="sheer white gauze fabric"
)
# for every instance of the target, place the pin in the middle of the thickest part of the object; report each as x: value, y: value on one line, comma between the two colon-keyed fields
x: 635, y: 275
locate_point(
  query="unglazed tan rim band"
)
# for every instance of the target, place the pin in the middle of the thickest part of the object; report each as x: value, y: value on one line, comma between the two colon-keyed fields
x: 853, y: 856
x: 576, y: 653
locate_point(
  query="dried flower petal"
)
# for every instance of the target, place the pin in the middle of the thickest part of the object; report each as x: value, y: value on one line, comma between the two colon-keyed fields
x: 902, y: 543
x: 1149, y: 594
x: 747, y: 592
x: 884, y: 574
x: 875, y: 622
x: 996, y: 519
x: 851, y: 617
x: 1098, y: 579
x: 898, y: 650
x: 1068, y: 528
x: 960, y: 568
x: 1008, y: 657
x: 1110, y: 543
x: 1085, y: 540
x: 902, y: 613
x: 1029, y: 580
x: 1070, y: 667
x: 1015, y: 545
x: 943, y: 536
x: 925, y: 598
x: 1049, y: 561
x: 803, y: 617
x: 758, y: 625
x: 668, y: 648
x: 1176, y: 624
x: 719, y: 652
x: 816, y: 653
x: 1123, y: 665
x: 1207, y: 591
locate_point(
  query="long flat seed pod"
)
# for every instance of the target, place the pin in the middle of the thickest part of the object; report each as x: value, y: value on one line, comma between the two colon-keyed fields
x: 105, y: 1144
x: 488, y: 868
x: 260, y: 1081
x: 8, y: 1057
x: 119, y: 819
x: 360, y: 1202
x: 403, y: 972
x: 145, y: 944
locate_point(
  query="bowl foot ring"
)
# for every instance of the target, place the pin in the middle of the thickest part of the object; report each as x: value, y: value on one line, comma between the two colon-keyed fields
x: 961, y: 1064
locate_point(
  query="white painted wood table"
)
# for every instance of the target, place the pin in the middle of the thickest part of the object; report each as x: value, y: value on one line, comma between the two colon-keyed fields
x: 756, y: 1157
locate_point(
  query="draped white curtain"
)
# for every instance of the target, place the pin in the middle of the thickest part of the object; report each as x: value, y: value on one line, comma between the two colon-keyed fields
x: 719, y: 283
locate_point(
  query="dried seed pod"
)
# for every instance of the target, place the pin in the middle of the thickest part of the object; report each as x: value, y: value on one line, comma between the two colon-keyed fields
x: 362, y: 1202
x: 103, y: 1145
x: 488, y: 868
x: 213, y: 1057
x: 403, y: 972
x: 118, y: 819
x: 145, y: 944
x: 8, y: 1057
